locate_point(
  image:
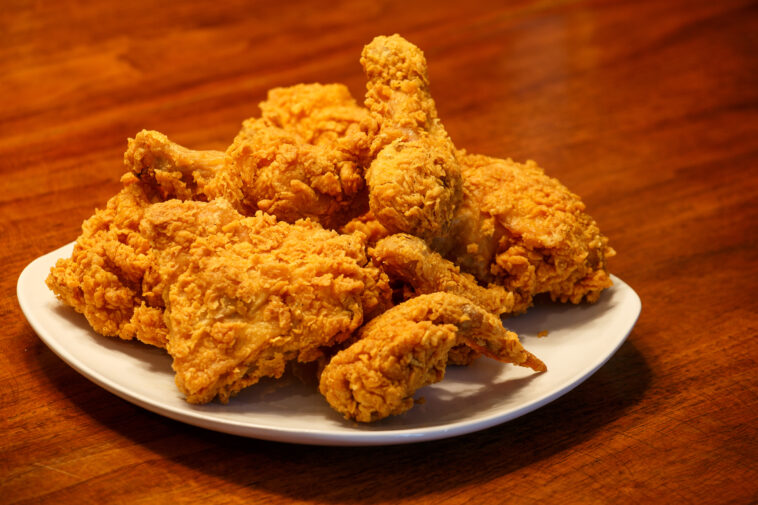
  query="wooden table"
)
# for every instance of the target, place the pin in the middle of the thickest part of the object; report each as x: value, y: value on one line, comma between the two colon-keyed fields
x: 647, y: 109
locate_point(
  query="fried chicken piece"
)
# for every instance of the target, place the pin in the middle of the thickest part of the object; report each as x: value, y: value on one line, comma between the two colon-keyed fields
x: 407, y: 348
x: 414, y: 181
x: 174, y: 171
x: 246, y: 295
x: 526, y: 231
x: 103, y: 277
x: 306, y: 156
x: 409, y: 259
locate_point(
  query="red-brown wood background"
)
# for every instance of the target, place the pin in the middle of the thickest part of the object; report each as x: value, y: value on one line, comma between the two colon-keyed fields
x: 647, y: 109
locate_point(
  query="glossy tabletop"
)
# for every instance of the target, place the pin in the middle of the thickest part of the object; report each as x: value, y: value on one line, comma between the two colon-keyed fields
x: 648, y: 110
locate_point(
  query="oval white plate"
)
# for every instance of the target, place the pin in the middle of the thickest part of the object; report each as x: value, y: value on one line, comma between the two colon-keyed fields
x: 581, y: 339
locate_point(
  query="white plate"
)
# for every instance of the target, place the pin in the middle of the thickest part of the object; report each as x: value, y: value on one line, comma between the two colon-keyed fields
x: 580, y: 340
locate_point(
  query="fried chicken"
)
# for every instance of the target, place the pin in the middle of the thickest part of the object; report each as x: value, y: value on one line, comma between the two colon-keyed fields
x: 306, y: 155
x: 174, y: 171
x: 246, y: 295
x: 414, y: 180
x: 526, y: 231
x: 103, y: 277
x: 409, y: 259
x: 407, y: 348
x: 513, y: 225
x: 321, y: 114
x: 229, y: 261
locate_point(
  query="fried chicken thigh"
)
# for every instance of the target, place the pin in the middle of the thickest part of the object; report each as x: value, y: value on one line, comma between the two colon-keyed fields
x: 246, y: 295
x: 407, y: 348
x: 524, y: 230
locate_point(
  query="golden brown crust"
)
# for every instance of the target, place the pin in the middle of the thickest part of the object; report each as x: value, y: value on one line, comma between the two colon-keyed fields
x: 368, y: 225
x: 409, y: 259
x: 173, y: 171
x: 527, y: 232
x: 103, y: 277
x: 245, y: 295
x: 306, y: 155
x: 414, y: 180
x: 407, y: 348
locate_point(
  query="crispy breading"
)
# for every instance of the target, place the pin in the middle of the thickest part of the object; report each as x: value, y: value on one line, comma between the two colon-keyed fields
x: 321, y: 114
x: 245, y: 295
x: 414, y: 180
x: 368, y: 225
x: 103, y: 277
x: 519, y: 228
x: 174, y: 171
x: 407, y: 348
x: 410, y: 260
x: 306, y: 155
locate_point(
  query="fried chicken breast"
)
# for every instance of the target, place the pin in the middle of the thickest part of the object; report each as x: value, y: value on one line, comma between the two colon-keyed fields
x: 246, y: 295
x: 521, y: 229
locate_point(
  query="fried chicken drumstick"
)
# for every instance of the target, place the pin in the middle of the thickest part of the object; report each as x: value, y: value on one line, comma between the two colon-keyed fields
x: 414, y: 180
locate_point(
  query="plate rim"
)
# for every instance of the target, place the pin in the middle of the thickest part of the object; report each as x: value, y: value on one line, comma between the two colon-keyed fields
x: 292, y: 435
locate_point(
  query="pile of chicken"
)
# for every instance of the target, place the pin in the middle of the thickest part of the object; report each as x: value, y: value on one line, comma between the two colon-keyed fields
x: 357, y: 238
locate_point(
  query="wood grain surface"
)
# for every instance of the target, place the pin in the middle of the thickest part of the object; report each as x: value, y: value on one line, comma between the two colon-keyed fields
x: 647, y: 109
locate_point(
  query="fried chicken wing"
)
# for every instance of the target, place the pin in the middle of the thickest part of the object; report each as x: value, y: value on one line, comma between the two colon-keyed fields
x: 524, y: 230
x: 174, y: 171
x: 103, y: 277
x: 246, y: 295
x: 409, y: 259
x: 407, y: 348
x: 414, y: 180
